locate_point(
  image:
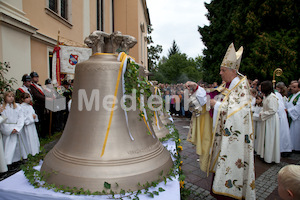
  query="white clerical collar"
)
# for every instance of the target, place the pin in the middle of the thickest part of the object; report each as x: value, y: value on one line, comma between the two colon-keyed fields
x: 234, y: 82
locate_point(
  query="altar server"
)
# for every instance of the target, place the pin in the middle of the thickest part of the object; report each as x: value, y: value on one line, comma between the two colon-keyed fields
x: 14, y: 149
x: 270, y: 132
x: 257, y: 120
x: 30, y: 117
x: 3, y: 166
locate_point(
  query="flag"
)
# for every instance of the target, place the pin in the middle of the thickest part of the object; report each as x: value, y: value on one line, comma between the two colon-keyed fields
x: 68, y: 57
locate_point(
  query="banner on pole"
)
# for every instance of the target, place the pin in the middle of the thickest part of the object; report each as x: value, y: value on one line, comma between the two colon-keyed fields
x: 69, y: 56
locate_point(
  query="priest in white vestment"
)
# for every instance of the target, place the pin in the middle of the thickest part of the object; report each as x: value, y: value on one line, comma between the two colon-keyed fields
x: 269, y: 148
x: 200, y: 133
x: 232, y: 155
x: 285, y: 136
x: 293, y: 109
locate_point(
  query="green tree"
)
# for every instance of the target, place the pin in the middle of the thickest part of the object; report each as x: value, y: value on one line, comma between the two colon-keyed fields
x: 153, y: 52
x: 216, y: 37
x: 178, y: 69
x: 173, y: 50
x: 268, y: 30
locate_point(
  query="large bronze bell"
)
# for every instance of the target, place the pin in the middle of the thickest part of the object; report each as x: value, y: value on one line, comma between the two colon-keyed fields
x: 164, y: 117
x: 159, y: 128
x: 76, y: 161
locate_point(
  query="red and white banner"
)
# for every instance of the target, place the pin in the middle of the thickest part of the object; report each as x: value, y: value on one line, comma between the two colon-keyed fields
x: 68, y: 58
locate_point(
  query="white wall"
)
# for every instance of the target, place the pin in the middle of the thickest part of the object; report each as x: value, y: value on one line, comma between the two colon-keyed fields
x: 15, y: 3
x: 15, y: 49
x: 13, y: 8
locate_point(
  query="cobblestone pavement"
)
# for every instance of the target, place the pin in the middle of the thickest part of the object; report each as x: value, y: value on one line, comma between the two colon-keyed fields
x: 199, y: 184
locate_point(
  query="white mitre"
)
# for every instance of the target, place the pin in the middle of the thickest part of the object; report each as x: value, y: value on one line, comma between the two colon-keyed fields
x: 232, y: 59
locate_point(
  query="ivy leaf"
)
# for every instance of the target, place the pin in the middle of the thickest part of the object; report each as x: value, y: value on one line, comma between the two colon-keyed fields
x: 122, y: 192
x: 151, y: 194
x: 181, y: 177
x: 107, y: 185
x: 161, y: 189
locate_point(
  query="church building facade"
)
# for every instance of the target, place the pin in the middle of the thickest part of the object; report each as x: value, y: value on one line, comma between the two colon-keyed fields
x: 29, y: 30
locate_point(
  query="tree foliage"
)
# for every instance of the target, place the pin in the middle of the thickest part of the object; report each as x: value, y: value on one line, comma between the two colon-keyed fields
x: 178, y: 69
x: 153, y: 52
x: 268, y: 30
x: 173, y: 50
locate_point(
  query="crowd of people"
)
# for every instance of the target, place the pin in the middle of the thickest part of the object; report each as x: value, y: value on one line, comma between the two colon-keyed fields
x: 25, y: 119
x: 276, y: 119
x: 275, y: 114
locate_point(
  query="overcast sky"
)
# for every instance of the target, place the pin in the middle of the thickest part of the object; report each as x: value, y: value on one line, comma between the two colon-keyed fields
x: 178, y: 20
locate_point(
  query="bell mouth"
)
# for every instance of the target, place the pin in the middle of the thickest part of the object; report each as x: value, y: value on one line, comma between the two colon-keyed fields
x: 128, y: 174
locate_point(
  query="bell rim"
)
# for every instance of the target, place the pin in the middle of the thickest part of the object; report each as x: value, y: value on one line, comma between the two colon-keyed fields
x: 156, y: 150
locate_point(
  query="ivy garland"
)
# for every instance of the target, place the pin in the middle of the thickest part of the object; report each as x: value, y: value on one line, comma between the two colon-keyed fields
x: 38, y: 179
x: 134, y: 82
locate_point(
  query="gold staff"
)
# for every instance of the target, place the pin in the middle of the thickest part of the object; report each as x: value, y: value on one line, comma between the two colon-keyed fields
x: 276, y: 72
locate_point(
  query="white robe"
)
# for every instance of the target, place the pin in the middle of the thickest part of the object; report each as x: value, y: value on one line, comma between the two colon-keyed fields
x: 257, y: 125
x: 270, y: 145
x: 285, y: 136
x: 294, y: 113
x: 253, y: 102
x: 14, y: 149
x: 3, y: 166
x: 31, y: 136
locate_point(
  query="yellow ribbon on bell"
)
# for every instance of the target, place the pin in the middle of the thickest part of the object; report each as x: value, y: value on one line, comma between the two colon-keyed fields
x: 156, y: 121
x: 122, y: 58
x: 146, y: 123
